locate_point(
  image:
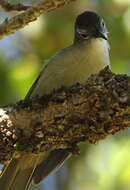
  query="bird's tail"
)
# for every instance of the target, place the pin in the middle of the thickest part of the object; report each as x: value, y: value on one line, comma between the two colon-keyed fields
x: 18, y: 174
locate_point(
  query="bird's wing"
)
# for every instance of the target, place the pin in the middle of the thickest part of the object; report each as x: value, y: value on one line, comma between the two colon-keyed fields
x: 53, y: 75
x: 51, y: 164
x: 18, y: 173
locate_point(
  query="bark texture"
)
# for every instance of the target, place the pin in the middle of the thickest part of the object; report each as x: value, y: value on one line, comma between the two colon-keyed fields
x: 81, y: 113
x: 30, y: 14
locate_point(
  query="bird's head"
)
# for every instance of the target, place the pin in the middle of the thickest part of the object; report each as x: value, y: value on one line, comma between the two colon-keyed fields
x: 89, y: 25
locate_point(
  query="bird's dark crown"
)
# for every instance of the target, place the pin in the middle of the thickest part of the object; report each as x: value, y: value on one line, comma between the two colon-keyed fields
x: 89, y: 25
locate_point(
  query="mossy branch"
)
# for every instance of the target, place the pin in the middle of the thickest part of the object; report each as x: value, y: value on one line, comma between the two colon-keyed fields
x: 81, y: 113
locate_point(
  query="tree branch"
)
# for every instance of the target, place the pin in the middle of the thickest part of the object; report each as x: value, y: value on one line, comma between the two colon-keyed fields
x: 19, y: 21
x: 81, y: 113
x: 13, y: 7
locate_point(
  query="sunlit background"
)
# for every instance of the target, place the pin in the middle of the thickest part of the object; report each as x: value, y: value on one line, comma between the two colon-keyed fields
x: 106, y: 165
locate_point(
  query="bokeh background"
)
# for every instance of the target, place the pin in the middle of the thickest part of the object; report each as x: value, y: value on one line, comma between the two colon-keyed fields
x: 106, y: 165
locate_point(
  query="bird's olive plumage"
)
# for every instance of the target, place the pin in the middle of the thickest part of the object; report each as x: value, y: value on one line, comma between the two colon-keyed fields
x: 87, y: 55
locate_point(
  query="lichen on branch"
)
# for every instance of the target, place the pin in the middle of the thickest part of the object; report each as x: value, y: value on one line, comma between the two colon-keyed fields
x: 81, y: 113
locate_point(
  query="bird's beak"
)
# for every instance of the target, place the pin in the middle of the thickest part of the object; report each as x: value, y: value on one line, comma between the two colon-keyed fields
x: 103, y: 35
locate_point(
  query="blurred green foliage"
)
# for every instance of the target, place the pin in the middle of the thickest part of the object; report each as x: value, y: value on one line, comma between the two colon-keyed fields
x: 100, y: 167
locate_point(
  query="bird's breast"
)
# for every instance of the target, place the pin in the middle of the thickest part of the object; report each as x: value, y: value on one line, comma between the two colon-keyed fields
x: 88, y: 58
x: 72, y: 65
x: 98, y: 52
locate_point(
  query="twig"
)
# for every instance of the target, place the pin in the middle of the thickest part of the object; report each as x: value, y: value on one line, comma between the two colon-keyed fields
x: 19, y: 21
x: 13, y: 7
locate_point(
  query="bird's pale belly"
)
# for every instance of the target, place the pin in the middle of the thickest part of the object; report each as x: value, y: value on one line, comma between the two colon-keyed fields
x: 87, y: 62
x: 79, y: 63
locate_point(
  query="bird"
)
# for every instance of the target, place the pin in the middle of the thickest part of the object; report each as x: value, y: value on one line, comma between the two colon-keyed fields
x: 87, y: 55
